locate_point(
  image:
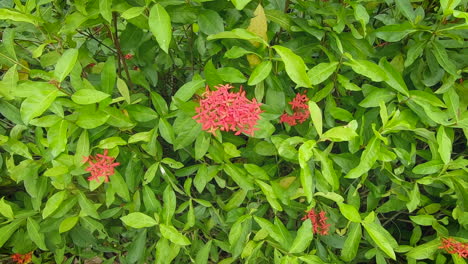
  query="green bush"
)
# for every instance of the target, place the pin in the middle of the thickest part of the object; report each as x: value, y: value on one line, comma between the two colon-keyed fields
x: 240, y: 131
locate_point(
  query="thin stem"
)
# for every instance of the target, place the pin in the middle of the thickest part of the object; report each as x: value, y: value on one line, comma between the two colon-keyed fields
x: 96, y: 39
x: 15, y: 62
x: 119, y: 50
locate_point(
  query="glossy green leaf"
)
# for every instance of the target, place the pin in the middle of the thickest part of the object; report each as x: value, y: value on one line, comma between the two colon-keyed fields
x: 351, y: 244
x: 321, y: 72
x: 303, y: 237
x: 138, y: 220
x: 53, y: 203
x: 260, y: 72
x: 169, y: 232
x: 36, y: 105
x: 5, y: 209
x: 88, y: 96
x: 380, y: 237
x: 65, y: 64
x: 295, y: 66
x: 159, y: 23
x: 34, y: 232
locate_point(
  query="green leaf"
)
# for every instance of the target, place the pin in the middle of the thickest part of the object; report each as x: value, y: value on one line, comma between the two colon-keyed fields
x: 34, y: 232
x: 89, y: 118
x: 203, y: 253
x: 316, y: 116
x: 138, y: 220
x: 111, y: 142
x: 424, y: 251
x: 88, y: 96
x: 374, y: 98
x: 445, y: 144
x: 239, y: 176
x: 159, y: 103
x: 57, y: 137
x: 187, y: 90
x: 231, y: 75
x: 238, y: 33
x: 19, y: 17
x: 166, y: 131
x: 423, y: 220
x: 5, y: 209
x: 349, y: 212
x: 210, y: 22
x: 368, y: 69
x: 303, y: 237
x: 120, y: 186
x: 68, y: 223
x: 338, y: 134
x: 380, y: 237
x: 321, y: 72
x: 87, y: 206
x: 82, y: 148
x: 394, y: 33
x: 8, y: 230
x: 295, y: 66
x: 351, y: 244
x: 395, y: 80
x: 150, y: 201
x: 429, y: 167
x: 414, y: 52
x: 368, y: 158
x: 260, y: 72
x: 53, y: 203
x: 105, y: 8
x: 108, y: 77
x: 169, y: 232
x: 423, y: 98
x: 65, y: 64
x: 414, y: 198
x: 133, y: 12
x: 406, y: 9
x: 159, y: 23
x: 137, y: 248
x: 448, y: 6
x: 36, y: 105
x: 443, y: 58
x: 170, y: 202
x: 240, y: 4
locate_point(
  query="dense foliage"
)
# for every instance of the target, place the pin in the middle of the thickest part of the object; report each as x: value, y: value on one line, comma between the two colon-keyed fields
x: 125, y: 135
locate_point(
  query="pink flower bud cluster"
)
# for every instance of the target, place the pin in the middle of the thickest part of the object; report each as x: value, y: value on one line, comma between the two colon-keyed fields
x: 301, y: 111
x: 319, y: 222
x: 100, y: 165
x: 228, y: 111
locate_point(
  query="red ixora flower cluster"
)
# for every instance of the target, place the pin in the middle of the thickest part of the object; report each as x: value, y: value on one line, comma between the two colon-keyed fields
x: 128, y: 56
x: 454, y: 247
x: 22, y: 258
x: 300, y: 109
x: 100, y: 165
x: 227, y: 111
x: 319, y: 222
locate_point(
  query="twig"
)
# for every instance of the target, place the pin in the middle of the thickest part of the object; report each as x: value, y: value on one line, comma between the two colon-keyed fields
x: 119, y: 50
x: 15, y: 62
x: 96, y: 39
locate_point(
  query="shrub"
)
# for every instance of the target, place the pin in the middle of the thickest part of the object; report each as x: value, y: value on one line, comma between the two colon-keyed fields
x: 233, y: 131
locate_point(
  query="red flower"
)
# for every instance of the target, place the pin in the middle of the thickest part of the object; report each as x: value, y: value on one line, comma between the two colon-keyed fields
x: 227, y: 111
x: 22, y: 258
x: 319, y: 223
x: 454, y: 247
x: 100, y: 165
x: 128, y: 56
x: 301, y: 111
